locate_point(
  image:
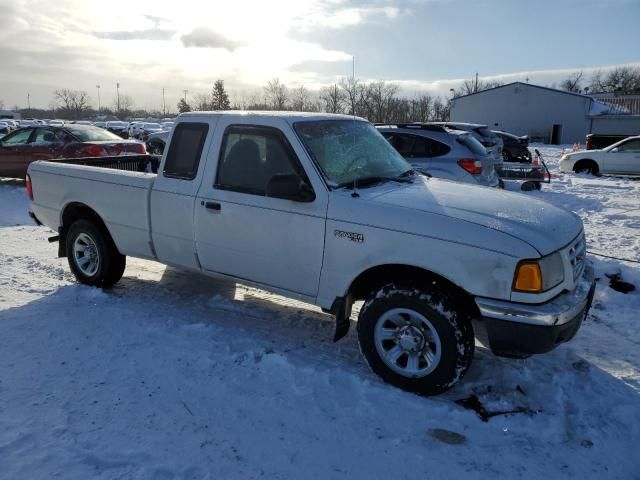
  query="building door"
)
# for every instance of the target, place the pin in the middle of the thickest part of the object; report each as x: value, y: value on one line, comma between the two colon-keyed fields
x: 556, y: 134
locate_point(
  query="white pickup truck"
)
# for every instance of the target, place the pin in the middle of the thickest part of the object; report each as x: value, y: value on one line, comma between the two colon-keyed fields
x: 323, y: 209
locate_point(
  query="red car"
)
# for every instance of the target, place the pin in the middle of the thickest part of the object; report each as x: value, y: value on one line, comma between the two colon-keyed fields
x: 26, y: 145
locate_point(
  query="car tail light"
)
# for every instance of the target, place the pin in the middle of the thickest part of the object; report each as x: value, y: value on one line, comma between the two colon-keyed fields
x: 29, y: 187
x: 488, y: 143
x: 587, y: 145
x: 141, y: 148
x: 93, y: 151
x: 474, y: 167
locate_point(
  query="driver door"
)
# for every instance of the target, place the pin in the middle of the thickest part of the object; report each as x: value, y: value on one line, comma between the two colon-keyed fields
x: 13, y: 162
x: 625, y: 158
x: 243, y: 233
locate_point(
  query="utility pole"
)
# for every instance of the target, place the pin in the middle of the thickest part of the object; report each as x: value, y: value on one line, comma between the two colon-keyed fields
x: 118, y: 96
x: 475, y: 90
x: 164, y: 112
x: 185, y: 95
x: 28, y: 101
x: 98, y: 87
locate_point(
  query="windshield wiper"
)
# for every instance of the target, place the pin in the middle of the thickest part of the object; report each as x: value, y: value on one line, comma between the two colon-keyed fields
x: 375, y: 179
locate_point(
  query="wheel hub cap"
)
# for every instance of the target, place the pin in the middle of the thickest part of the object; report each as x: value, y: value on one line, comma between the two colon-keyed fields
x: 407, y: 342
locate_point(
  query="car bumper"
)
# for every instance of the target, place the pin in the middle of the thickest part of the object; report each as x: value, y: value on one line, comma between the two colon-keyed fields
x: 517, y: 329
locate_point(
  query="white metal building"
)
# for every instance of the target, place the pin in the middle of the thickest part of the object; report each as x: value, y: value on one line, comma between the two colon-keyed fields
x: 545, y: 114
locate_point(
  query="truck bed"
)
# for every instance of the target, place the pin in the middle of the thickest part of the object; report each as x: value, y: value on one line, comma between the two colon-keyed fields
x: 118, y: 189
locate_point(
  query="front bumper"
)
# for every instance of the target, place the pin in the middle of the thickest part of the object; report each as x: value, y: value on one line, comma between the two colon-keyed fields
x: 518, y: 329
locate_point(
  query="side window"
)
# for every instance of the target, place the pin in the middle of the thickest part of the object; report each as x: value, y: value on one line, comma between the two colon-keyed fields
x: 630, y: 146
x: 44, y: 135
x: 402, y: 143
x: 21, y: 137
x: 250, y: 156
x: 185, y: 150
x: 438, y: 149
x: 421, y: 147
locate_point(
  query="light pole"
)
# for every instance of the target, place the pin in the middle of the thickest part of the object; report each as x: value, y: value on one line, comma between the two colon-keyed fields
x: 118, y: 96
x: 28, y: 101
x: 164, y: 110
x: 98, y: 87
x: 185, y: 95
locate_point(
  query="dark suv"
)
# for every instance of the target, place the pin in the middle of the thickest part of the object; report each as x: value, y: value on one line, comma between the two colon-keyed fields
x: 514, y: 148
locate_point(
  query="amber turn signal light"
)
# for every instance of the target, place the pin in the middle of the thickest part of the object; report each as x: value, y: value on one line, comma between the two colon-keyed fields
x: 528, y: 278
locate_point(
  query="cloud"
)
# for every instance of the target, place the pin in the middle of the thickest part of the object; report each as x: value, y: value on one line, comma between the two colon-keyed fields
x: 146, y: 34
x: 207, y: 38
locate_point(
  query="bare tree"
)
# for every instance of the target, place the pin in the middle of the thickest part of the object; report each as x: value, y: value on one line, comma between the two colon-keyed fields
x: 72, y: 103
x: 333, y: 98
x: 573, y: 82
x: 474, y: 86
x: 623, y: 80
x: 352, y: 89
x: 1, y: 105
x: 219, y: 97
x: 301, y: 99
x: 277, y: 94
x: 201, y: 102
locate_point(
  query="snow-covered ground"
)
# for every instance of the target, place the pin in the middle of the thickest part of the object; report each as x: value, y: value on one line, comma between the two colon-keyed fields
x: 175, y: 376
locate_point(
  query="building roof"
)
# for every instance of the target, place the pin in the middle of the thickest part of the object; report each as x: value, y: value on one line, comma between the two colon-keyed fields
x: 526, y: 85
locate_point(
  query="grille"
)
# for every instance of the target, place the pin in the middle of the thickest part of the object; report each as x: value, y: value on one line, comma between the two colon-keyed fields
x: 577, y: 257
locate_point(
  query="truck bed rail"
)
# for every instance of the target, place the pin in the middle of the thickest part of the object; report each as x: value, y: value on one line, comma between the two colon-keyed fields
x: 133, y: 163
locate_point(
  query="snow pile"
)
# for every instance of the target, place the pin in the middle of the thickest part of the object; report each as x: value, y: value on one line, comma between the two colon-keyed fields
x: 173, y: 375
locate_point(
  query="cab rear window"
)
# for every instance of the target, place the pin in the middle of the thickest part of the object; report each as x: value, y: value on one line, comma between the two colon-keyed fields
x: 185, y: 150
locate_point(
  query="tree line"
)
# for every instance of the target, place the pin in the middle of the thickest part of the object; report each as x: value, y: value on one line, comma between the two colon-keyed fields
x: 620, y: 81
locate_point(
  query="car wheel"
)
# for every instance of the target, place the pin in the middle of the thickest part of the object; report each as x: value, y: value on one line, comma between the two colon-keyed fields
x: 586, y: 166
x: 92, y: 255
x: 414, y: 339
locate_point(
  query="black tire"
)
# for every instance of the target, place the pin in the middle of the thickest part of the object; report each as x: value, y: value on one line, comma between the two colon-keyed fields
x: 449, y: 320
x: 155, y: 147
x: 586, y: 166
x: 110, y: 262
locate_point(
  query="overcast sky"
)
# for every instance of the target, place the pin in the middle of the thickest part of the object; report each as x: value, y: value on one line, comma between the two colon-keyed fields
x: 430, y: 45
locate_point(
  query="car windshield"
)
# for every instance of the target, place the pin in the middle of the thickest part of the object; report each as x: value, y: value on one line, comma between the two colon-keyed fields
x: 350, y: 150
x: 92, y: 134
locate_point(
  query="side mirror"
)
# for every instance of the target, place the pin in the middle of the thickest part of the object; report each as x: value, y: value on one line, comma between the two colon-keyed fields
x: 290, y: 186
x: 615, y: 150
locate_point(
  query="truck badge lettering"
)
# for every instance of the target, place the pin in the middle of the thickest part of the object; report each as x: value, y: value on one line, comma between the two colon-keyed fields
x: 353, y: 236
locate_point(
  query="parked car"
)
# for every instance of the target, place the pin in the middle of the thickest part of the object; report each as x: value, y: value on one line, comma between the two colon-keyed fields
x: 5, y: 128
x: 100, y: 124
x: 134, y: 129
x: 443, y: 153
x: 20, y: 148
x: 168, y: 125
x: 486, y: 137
x: 622, y: 157
x: 156, y: 142
x: 514, y: 148
x: 56, y: 123
x: 322, y: 208
x: 82, y: 122
x: 119, y: 128
x: 598, y: 141
x: 148, y: 128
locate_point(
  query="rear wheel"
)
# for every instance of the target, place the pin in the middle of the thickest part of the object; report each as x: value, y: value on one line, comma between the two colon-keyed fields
x: 417, y: 340
x: 586, y: 166
x: 92, y: 255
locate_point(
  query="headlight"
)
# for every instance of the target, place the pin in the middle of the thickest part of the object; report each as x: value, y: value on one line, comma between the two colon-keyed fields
x: 564, y: 157
x: 535, y: 276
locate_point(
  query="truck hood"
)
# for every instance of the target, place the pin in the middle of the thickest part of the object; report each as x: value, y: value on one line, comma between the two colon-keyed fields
x: 543, y: 226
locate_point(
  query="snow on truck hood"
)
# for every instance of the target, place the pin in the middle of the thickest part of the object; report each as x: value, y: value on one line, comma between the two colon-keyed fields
x: 542, y: 225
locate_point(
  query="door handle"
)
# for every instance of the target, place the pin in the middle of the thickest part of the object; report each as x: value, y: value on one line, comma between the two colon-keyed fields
x: 211, y: 205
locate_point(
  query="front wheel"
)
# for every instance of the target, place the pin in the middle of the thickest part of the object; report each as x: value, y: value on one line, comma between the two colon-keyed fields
x: 92, y: 255
x: 414, y: 339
